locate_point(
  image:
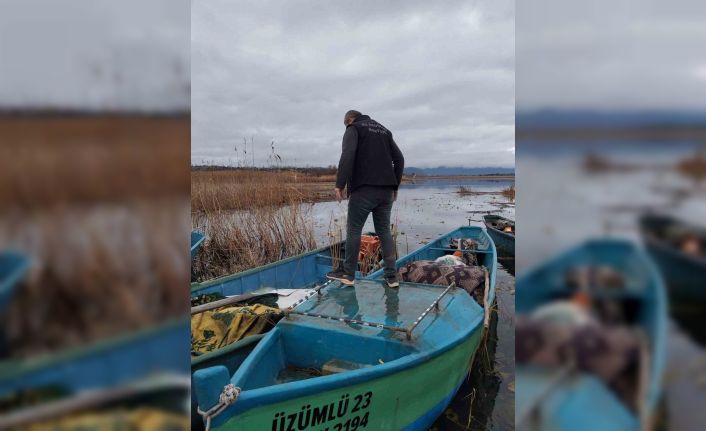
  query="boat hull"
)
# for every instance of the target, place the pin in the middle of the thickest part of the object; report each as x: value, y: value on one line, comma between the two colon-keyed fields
x: 113, y: 362
x: 683, y: 275
x: 503, y: 241
x: 410, y: 399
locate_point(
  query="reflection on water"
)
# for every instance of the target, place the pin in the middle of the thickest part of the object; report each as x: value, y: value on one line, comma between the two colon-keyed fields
x: 562, y: 203
x: 423, y: 212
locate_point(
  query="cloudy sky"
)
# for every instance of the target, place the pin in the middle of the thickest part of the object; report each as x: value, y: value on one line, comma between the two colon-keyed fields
x: 131, y: 55
x: 615, y: 55
x: 440, y: 75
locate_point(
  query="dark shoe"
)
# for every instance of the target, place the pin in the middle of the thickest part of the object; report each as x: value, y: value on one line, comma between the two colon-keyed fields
x: 341, y: 276
x: 392, y: 281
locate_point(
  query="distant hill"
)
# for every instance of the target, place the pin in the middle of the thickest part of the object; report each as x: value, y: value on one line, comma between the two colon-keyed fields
x: 553, y: 118
x: 447, y: 170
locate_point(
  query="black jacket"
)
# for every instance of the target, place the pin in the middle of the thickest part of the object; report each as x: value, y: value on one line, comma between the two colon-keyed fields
x: 370, y: 156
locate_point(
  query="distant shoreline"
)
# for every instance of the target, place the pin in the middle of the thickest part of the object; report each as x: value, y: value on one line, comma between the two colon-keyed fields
x: 644, y: 133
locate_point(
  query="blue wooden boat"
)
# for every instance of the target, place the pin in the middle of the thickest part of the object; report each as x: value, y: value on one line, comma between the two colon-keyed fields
x: 13, y: 267
x: 297, y: 272
x: 393, y: 358
x: 112, y: 362
x: 197, y: 238
x: 503, y: 240
x: 684, y: 274
x: 569, y: 399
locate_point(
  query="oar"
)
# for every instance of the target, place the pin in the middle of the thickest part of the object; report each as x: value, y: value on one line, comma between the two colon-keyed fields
x: 90, y: 399
x: 230, y: 300
x: 239, y: 298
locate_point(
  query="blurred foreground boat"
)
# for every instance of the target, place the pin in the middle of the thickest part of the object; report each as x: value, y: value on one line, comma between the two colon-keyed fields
x: 628, y: 297
x: 502, y: 231
x: 348, y: 358
x: 679, y: 249
x: 197, y: 238
x: 132, y: 369
x: 13, y: 267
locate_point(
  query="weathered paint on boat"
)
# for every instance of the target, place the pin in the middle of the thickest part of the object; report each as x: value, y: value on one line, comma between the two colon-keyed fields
x: 408, y: 382
x: 575, y: 402
x: 13, y: 267
x: 502, y: 240
x: 117, y: 361
x: 197, y: 238
x: 684, y: 275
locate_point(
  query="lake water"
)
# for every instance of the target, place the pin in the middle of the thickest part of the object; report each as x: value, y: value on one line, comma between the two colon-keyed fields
x: 561, y: 204
x: 422, y: 212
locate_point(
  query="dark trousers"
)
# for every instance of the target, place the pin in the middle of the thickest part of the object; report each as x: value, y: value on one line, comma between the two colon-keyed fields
x: 362, y: 202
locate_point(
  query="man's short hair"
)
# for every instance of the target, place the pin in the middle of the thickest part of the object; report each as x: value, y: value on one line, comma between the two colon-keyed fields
x: 353, y: 114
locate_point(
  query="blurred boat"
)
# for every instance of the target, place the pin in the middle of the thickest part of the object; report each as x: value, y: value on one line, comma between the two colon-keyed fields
x: 495, y: 225
x: 116, y: 361
x: 13, y: 267
x: 667, y: 240
x: 566, y: 397
x: 346, y: 358
x: 197, y: 238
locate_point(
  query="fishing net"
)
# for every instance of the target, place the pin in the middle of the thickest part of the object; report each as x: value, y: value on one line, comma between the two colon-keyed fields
x: 218, y: 328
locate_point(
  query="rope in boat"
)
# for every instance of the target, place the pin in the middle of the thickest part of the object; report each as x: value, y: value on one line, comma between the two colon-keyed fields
x: 229, y: 396
x: 407, y: 331
x: 316, y: 291
x: 354, y: 321
x: 434, y: 304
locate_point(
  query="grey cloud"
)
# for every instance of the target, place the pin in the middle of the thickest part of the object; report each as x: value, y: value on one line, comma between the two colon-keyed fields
x: 611, y: 55
x: 440, y: 75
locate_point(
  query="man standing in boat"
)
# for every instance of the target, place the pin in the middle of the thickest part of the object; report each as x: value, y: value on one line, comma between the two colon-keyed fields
x: 371, y: 169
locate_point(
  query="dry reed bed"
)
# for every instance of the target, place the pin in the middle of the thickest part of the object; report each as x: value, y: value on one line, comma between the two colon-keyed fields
x: 100, y: 205
x: 47, y: 161
x: 243, y: 189
x: 241, y: 240
x: 250, y: 218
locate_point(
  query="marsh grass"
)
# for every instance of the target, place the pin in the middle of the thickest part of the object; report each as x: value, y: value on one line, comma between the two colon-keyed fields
x: 465, y: 191
x: 244, y: 189
x: 99, y: 204
x: 250, y: 218
x: 509, y: 192
x: 693, y: 167
x: 59, y: 161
